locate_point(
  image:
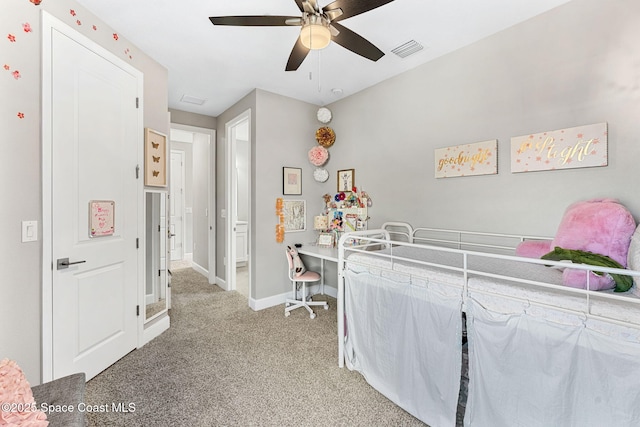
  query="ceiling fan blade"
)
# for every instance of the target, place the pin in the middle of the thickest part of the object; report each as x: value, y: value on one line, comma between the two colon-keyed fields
x: 353, y: 7
x: 298, y: 54
x: 252, y: 21
x: 356, y: 43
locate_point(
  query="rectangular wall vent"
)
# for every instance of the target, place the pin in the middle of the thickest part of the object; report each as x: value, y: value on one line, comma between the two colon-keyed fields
x: 408, y: 48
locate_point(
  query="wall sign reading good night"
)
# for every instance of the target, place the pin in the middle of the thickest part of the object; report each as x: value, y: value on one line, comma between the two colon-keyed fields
x: 578, y: 147
x: 480, y: 158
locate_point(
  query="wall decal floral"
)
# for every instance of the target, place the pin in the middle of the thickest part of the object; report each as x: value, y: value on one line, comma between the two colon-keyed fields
x: 20, y: 115
x: 11, y: 38
x: 36, y: 2
x: 26, y: 27
x: 16, y: 74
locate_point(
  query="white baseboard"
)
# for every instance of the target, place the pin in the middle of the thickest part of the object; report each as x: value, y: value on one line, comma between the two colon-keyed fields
x: 275, y: 300
x: 155, y: 328
x: 221, y: 283
x: 200, y: 269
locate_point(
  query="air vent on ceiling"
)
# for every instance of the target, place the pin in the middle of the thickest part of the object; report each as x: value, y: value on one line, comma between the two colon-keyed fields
x: 408, y: 48
x: 193, y: 100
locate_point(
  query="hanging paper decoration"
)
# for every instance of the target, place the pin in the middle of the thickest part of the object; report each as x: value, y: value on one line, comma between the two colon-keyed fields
x: 318, y: 155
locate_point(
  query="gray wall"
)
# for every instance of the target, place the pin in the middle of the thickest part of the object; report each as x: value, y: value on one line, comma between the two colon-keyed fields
x: 575, y: 65
x: 282, y: 132
x: 200, y: 180
x: 193, y: 119
x: 20, y: 168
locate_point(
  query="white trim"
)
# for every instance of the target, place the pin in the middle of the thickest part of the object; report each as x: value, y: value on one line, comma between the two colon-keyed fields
x: 49, y: 23
x: 153, y: 329
x: 212, y: 196
x: 230, y: 202
x: 280, y: 299
x: 200, y: 269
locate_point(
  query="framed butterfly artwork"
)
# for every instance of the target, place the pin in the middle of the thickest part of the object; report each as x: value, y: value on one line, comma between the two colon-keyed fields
x: 155, y: 158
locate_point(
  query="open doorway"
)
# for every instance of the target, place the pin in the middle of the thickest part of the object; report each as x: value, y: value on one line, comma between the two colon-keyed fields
x: 191, y: 190
x: 238, y: 149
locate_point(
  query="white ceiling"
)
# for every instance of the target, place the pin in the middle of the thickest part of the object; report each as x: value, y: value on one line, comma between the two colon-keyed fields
x: 221, y: 64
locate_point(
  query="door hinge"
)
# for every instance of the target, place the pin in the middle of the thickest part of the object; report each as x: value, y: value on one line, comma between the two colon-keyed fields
x: 137, y: 171
x: 137, y: 310
x: 137, y: 243
x: 159, y: 273
x: 137, y: 102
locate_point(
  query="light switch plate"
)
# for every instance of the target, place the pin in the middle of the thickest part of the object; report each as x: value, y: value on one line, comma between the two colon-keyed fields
x: 29, y: 231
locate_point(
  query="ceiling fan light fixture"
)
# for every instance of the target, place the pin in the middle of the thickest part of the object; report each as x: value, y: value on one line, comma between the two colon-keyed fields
x: 315, y: 36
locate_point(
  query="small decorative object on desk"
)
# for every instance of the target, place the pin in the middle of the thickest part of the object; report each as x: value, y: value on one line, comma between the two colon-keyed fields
x: 326, y: 240
x: 320, y: 222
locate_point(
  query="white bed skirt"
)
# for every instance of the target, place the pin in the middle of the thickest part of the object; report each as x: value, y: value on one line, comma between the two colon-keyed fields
x: 532, y: 368
x: 405, y: 339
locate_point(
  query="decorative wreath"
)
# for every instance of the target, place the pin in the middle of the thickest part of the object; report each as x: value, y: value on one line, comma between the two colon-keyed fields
x: 325, y: 136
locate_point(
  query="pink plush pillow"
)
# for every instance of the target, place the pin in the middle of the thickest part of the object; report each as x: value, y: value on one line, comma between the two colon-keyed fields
x: 533, y: 248
x: 601, y: 226
x: 16, y: 393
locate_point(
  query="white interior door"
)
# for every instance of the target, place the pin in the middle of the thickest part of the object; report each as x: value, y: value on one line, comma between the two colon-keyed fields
x: 176, y: 207
x: 95, y: 149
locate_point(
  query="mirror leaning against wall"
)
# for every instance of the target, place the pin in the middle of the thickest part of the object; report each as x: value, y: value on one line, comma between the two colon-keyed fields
x: 156, y: 254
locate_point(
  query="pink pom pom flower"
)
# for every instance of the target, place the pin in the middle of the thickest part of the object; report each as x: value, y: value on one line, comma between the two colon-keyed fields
x: 318, y: 155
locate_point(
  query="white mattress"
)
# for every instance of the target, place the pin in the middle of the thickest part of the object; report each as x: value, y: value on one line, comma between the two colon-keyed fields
x: 496, y: 294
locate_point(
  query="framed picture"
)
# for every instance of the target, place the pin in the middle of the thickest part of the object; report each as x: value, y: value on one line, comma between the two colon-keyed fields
x: 155, y: 158
x: 295, y: 215
x: 291, y: 181
x: 325, y: 240
x: 346, y: 179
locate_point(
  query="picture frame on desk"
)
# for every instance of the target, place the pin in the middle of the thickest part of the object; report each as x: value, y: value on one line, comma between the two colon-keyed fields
x: 326, y: 240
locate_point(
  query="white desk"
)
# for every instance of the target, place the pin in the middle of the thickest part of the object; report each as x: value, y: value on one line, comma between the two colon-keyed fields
x: 324, y: 254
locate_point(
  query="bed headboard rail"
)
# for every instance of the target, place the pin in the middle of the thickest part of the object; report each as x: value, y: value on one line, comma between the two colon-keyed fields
x: 399, y: 231
x: 471, y: 240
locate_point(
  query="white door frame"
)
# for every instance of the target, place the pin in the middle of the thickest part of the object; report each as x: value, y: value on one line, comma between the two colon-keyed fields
x: 50, y: 24
x: 211, y: 217
x: 183, y: 229
x: 231, y: 201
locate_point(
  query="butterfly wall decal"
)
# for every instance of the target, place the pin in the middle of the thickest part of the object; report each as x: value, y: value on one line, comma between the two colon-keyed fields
x: 155, y: 173
x: 155, y: 144
x: 156, y: 159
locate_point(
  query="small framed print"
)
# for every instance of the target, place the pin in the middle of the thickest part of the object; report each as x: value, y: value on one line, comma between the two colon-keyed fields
x: 291, y: 181
x: 346, y: 180
x: 325, y: 240
x: 155, y: 158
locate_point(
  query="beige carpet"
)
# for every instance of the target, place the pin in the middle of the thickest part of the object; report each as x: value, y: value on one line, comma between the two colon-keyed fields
x: 222, y: 364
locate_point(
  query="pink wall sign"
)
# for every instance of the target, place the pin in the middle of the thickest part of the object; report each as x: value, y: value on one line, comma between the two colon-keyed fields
x: 479, y: 158
x: 101, y: 218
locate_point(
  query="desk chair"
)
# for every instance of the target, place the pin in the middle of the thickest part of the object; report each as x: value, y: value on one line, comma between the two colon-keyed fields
x: 300, y: 283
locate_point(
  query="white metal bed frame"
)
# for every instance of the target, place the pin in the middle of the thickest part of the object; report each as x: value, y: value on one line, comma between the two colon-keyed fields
x: 361, y: 241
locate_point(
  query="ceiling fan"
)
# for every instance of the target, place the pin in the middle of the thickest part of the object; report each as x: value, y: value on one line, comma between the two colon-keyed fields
x: 319, y: 27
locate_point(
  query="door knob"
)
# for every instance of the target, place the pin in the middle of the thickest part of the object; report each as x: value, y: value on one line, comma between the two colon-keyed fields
x: 64, y: 263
